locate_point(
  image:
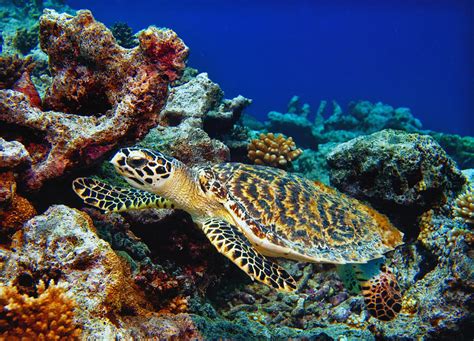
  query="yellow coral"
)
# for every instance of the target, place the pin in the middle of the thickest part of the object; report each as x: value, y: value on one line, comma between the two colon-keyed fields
x: 426, y: 227
x: 50, y: 316
x: 178, y: 304
x: 273, y: 150
x: 464, y: 206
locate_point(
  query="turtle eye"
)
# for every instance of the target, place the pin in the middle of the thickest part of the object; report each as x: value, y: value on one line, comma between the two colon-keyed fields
x: 137, y: 161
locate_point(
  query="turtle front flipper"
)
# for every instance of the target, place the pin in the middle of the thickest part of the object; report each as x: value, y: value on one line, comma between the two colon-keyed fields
x: 229, y: 241
x: 377, y: 284
x: 116, y: 199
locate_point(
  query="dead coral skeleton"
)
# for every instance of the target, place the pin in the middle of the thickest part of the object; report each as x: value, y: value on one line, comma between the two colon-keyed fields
x: 273, y: 150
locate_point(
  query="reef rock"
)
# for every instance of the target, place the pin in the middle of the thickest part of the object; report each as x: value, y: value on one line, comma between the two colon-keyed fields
x: 395, y: 169
x: 294, y: 124
x: 194, y: 111
x: 372, y: 117
x: 101, y: 93
x: 13, y: 154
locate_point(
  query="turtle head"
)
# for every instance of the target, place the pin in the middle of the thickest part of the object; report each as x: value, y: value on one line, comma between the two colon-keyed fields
x: 146, y: 169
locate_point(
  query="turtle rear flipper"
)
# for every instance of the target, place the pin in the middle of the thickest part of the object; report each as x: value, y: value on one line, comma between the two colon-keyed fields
x: 382, y: 295
x: 116, y: 199
x: 229, y: 241
x: 377, y: 284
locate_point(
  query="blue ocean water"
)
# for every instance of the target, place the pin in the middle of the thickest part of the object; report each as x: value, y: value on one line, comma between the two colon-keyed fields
x: 416, y: 54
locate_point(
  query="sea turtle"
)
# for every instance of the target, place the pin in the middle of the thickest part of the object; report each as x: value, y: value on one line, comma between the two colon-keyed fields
x: 250, y: 213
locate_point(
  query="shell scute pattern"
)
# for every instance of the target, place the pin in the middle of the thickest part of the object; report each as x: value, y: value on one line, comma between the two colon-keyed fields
x: 310, y: 218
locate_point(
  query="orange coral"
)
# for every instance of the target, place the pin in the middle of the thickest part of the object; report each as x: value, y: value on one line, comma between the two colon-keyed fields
x: 426, y: 227
x: 273, y: 150
x: 464, y: 206
x: 19, y: 212
x: 178, y: 304
x: 50, y: 316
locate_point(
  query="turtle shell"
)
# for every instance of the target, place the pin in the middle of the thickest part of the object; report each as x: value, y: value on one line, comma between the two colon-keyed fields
x: 293, y: 217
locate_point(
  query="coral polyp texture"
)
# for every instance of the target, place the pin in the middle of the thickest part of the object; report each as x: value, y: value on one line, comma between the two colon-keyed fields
x: 464, y: 206
x: 101, y: 94
x: 273, y: 150
x: 49, y: 316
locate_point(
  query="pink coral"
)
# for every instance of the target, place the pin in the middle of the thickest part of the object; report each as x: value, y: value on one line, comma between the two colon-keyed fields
x: 101, y: 94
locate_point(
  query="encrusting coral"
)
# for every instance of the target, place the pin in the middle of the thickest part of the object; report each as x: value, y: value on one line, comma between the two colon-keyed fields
x: 273, y: 150
x: 49, y: 316
x: 464, y: 206
x: 101, y: 94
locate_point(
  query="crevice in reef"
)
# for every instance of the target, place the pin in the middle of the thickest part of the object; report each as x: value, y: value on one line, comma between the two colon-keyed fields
x: 428, y: 263
x: 34, y: 141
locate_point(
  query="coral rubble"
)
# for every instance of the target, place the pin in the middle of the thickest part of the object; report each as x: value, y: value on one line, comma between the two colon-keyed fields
x: 273, y: 150
x: 106, y: 96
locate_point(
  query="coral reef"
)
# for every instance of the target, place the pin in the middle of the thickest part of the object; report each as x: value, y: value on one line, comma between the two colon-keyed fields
x: 19, y: 23
x: 124, y: 35
x: 49, y: 316
x: 398, y: 171
x: 13, y: 215
x: 62, y: 245
x: 150, y: 273
x: 26, y: 39
x: 362, y: 118
x: 273, y: 150
x: 461, y: 149
x: 15, y: 74
x: 294, y: 124
x: 464, y: 206
x: 121, y: 91
x: 12, y: 154
x: 195, y: 111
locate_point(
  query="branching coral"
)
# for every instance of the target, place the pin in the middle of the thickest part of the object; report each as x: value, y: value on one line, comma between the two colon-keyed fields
x: 464, y: 206
x: 273, y: 150
x: 101, y: 94
x: 50, y: 316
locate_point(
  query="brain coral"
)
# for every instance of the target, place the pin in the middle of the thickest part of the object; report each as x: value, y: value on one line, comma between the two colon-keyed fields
x: 273, y: 150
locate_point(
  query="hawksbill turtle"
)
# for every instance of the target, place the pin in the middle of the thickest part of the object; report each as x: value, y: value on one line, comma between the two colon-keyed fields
x: 253, y: 213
